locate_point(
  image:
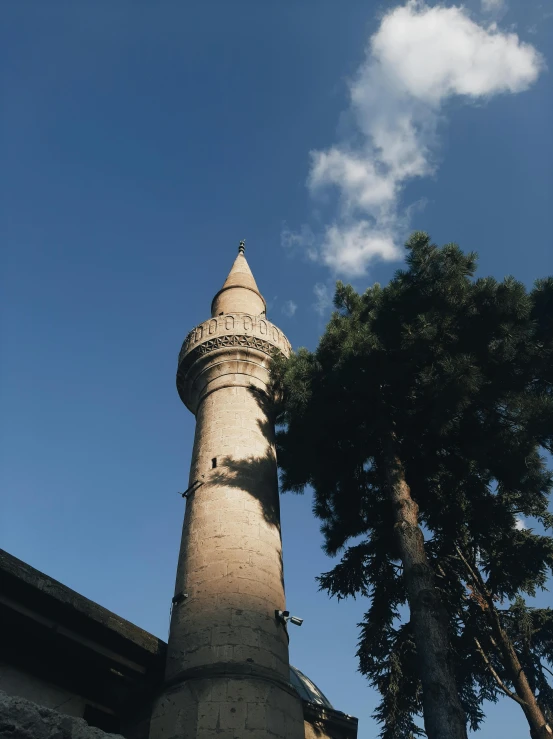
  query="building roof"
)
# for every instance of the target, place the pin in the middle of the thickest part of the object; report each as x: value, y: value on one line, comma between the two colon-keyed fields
x: 56, y: 635
x: 34, y: 588
x: 307, y: 689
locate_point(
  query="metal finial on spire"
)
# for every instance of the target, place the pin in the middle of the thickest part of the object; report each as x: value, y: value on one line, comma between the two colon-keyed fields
x: 242, y: 247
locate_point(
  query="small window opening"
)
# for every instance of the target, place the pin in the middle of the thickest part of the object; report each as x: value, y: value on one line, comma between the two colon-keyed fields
x: 214, y: 463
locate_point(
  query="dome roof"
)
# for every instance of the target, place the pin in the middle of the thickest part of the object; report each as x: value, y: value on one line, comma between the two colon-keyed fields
x: 307, y: 690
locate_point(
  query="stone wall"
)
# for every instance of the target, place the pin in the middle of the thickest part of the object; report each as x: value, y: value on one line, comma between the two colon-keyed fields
x: 321, y: 723
x: 22, y: 719
x: 315, y: 731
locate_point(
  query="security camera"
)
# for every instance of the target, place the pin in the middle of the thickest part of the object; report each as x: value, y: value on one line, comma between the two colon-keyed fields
x: 284, y: 617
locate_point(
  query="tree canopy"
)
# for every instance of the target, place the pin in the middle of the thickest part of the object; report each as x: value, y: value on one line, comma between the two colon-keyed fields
x: 420, y: 421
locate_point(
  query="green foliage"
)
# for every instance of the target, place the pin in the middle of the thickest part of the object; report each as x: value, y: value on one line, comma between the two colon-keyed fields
x: 460, y: 371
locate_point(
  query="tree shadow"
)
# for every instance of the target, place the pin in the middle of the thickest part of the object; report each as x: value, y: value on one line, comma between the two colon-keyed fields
x: 266, y: 402
x: 258, y: 476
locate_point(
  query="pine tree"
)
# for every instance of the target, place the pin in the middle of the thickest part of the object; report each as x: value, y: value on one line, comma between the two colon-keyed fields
x: 418, y: 422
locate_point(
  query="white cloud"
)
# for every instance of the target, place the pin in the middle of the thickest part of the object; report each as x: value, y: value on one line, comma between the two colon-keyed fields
x: 520, y: 525
x: 303, y: 239
x: 360, y: 185
x: 289, y: 308
x: 419, y: 58
x: 433, y: 53
x: 349, y: 248
x: 492, y: 6
x: 323, y: 297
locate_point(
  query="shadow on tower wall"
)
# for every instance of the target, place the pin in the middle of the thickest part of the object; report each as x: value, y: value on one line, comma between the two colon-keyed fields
x: 256, y: 475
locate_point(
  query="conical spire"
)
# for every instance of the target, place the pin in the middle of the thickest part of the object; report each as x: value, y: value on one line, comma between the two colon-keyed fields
x: 241, y: 275
x: 240, y: 293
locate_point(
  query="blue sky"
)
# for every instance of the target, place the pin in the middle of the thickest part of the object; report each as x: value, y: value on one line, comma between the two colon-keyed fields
x: 139, y: 142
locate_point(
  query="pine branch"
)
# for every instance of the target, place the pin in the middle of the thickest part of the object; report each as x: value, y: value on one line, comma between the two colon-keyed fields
x: 496, y: 677
x: 477, y: 578
x: 546, y: 669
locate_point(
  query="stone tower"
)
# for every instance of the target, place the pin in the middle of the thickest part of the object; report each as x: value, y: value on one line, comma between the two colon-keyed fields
x: 227, y: 672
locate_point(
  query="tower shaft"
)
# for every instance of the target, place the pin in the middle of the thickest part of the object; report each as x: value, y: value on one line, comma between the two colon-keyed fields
x: 227, y: 671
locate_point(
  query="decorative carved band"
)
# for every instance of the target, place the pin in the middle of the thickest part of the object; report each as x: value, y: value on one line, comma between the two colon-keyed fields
x: 235, y: 323
x: 221, y: 342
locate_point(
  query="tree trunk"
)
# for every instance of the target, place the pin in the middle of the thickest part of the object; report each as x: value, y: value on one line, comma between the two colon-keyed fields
x: 539, y: 728
x: 444, y: 717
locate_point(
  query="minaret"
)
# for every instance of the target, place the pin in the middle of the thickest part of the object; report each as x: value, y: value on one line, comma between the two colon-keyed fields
x: 227, y: 671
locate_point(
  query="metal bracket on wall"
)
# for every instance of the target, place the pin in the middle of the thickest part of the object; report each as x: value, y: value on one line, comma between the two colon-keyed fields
x: 178, y: 598
x: 175, y: 601
x: 281, y: 617
x: 192, y: 489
